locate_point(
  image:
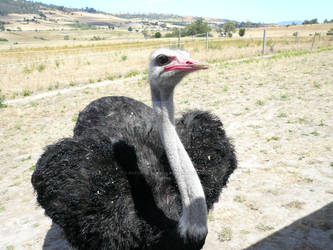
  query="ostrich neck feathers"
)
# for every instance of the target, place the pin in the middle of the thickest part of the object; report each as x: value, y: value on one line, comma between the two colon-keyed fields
x: 193, y: 222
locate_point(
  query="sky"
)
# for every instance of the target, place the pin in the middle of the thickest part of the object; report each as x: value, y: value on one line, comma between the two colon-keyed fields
x: 264, y: 11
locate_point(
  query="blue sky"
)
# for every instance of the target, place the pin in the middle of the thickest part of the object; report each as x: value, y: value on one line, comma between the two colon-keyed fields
x: 241, y: 10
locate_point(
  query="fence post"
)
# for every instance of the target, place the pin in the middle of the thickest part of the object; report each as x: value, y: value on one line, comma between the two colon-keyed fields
x: 178, y: 38
x: 264, y: 43
x: 319, y: 34
x: 313, y: 41
x: 296, y: 41
x: 207, y: 40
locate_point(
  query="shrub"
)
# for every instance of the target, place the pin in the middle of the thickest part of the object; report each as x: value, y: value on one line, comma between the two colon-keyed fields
x: 229, y: 27
x: 3, y: 40
x: 2, y: 99
x: 27, y: 70
x: 111, y: 77
x: 132, y: 73
x: 41, y: 67
x: 241, y: 32
x: 97, y: 38
x: 66, y: 37
x: 158, y: 35
x: 27, y: 92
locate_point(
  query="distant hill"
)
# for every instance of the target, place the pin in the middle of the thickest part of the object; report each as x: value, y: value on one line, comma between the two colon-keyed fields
x: 27, y: 15
x: 25, y: 7
x: 19, y: 6
x: 285, y: 23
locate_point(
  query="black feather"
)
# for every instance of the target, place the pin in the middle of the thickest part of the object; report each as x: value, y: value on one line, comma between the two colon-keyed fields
x: 111, y: 187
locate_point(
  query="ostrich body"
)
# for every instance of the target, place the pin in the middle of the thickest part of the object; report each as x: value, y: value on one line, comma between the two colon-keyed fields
x: 133, y: 177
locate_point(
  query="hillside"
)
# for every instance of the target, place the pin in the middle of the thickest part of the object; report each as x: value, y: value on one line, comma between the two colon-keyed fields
x: 26, y: 15
x: 25, y: 7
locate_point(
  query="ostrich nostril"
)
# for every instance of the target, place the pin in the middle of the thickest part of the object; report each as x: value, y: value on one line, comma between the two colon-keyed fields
x: 189, y: 62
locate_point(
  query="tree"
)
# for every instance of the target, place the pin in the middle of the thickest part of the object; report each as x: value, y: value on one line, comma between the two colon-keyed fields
x: 241, y: 32
x: 145, y: 33
x: 130, y: 28
x: 158, y: 35
x: 313, y: 21
x: 90, y: 10
x: 42, y: 15
x: 198, y: 27
x: 229, y: 27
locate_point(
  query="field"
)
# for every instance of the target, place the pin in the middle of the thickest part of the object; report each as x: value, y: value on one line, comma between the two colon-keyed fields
x: 78, y: 57
x: 278, y: 111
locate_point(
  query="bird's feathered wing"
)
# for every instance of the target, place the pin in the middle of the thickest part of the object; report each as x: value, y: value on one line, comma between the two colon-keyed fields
x: 111, y: 184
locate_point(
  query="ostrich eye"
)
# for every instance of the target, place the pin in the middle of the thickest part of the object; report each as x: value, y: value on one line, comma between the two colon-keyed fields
x: 162, y: 60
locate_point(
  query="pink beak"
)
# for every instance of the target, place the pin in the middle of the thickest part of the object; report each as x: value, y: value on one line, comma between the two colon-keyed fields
x: 185, y: 65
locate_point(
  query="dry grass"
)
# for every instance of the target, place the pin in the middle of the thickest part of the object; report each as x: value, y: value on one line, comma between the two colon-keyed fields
x: 278, y: 154
x: 282, y: 31
x: 29, y: 69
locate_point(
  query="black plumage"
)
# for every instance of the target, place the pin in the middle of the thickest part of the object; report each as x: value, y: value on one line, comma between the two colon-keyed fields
x: 110, y: 186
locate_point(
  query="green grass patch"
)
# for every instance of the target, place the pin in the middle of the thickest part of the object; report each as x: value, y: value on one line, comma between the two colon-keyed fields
x: 26, y: 159
x: 132, y: 73
x: 82, y: 26
x: 111, y: 77
x: 315, y: 133
x: 239, y: 198
x: 273, y: 138
x: 3, y: 40
x: 260, y: 102
x: 263, y: 227
x: 41, y: 67
x: 27, y: 70
x: 27, y: 92
x: 295, y: 205
x: 2, y: 100
x: 225, y: 234
x: 40, y: 38
x: 75, y: 117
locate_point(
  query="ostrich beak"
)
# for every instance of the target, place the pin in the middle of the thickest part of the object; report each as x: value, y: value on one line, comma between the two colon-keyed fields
x: 185, y: 65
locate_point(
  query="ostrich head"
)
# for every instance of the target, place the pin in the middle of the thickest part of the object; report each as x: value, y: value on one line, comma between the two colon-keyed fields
x: 168, y: 66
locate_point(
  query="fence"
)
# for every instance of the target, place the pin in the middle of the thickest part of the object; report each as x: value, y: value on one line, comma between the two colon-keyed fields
x: 31, y: 69
x: 181, y: 43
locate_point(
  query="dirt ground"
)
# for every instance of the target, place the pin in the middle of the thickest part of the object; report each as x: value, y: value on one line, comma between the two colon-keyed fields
x: 279, y: 113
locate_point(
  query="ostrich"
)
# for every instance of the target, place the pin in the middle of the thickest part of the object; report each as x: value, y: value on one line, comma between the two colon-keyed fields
x: 133, y: 177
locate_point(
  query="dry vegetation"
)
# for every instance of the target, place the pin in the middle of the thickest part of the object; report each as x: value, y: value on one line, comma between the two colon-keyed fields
x: 277, y: 110
x: 46, y: 60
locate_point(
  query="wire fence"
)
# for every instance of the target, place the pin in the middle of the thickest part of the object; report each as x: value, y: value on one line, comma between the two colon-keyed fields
x: 32, y: 69
x: 131, y: 49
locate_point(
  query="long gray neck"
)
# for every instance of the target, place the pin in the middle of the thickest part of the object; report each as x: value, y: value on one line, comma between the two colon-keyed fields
x: 193, y: 221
